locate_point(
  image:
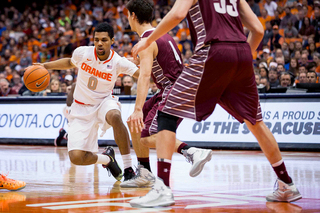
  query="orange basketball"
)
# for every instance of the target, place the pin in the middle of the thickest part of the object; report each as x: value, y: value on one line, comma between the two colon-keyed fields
x: 36, y: 78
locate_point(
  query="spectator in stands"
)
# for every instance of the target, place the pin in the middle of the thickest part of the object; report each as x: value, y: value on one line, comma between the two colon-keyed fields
x: 153, y: 89
x: 63, y: 86
x: 267, y: 33
x: 307, y: 29
x: 265, y: 82
x: 302, y: 69
x: 312, y: 77
x: 280, y: 68
x: 44, y: 54
x: 316, y: 59
x: 187, y: 56
x: 184, y: 28
x: 54, y: 87
x: 25, y: 59
x: 257, y: 77
x: 263, y: 72
x: 298, y: 24
x: 266, y: 55
x: 304, y: 60
x: 254, y: 7
x: 276, y: 20
x: 127, y: 81
x: 184, y: 39
x: 68, y: 79
x: 316, y: 18
x: 273, y: 77
x: 285, y: 80
x: 312, y: 66
x: 270, y: 7
x: 290, y: 31
x: 264, y: 17
x: 287, y: 18
x: 65, y: 47
x: 276, y: 40
x: 302, y: 78
x: 16, y: 83
x: 5, y: 90
x: 294, y: 66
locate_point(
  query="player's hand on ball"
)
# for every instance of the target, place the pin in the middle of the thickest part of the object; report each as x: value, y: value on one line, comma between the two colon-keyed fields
x: 39, y: 64
x: 135, y: 121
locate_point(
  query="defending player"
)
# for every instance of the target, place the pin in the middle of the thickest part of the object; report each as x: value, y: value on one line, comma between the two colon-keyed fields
x: 94, y: 105
x: 163, y: 62
x: 220, y: 72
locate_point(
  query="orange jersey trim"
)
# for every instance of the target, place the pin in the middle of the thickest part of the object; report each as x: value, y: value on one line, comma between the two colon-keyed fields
x: 96, y: 56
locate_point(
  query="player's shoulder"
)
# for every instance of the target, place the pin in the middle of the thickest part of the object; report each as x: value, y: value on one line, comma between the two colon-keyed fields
x: 84, y: 49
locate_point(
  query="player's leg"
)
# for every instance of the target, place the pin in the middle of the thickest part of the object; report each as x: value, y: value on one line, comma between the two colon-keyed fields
x: 83, y: 138
x: 241, y: 100
x: 142, y: 152
x: 286, y: 191
x: 161, y: 194
x: 121, y: 137
x: 196, y: 156
x: 143, y: 177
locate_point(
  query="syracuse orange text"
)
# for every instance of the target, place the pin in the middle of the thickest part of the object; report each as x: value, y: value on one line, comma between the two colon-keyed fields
x: 95, y: 72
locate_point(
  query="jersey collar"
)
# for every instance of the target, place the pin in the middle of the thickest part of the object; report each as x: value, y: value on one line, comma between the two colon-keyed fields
x: 106, y: 61
x: 152, y: 29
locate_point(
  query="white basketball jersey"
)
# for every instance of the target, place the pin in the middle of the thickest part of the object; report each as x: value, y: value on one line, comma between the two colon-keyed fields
x: 96, y: 78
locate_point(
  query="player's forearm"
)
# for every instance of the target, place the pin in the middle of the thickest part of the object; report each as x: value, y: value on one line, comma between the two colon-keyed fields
x: 60, y: 64
x: 173, y: 18
x: 254, y: 40
x: 142, y: 91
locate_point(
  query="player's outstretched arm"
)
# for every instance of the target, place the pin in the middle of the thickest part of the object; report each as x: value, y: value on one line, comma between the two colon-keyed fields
x: 173, y: 18
x: 146, y: 61
x: 60, y: 64
x: 251, y: 21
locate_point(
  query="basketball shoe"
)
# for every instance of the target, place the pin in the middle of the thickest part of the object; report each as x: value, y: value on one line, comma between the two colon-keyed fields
x: 144, y: 178
x: 10, y: 184
x: 159, y: 195
x: 284, y: 193
x: 113, y: 166
x: 198, y: 158
x: 62, y: 135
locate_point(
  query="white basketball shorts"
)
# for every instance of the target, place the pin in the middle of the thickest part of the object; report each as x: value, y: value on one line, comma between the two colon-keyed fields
x: 84, y: 122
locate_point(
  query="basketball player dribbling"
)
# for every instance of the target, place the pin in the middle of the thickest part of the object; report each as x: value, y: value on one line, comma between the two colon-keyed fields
x: 163, y: 62
x: 94, y: 105
x: 220, y: 72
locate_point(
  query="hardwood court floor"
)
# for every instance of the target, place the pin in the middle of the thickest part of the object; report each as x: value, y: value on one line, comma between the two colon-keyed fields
x: 233, y: 181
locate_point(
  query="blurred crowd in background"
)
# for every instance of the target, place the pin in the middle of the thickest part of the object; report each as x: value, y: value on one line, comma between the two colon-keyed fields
x: 287, y: 56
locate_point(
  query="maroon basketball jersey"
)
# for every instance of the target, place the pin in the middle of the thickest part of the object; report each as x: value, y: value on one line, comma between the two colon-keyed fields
x: 215, y: 21
x: 168, y: 64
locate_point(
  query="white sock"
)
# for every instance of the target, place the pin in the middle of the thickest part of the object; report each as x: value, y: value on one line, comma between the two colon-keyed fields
x: 277, y: 163
x: 103, y: 159
x: 127, y: 161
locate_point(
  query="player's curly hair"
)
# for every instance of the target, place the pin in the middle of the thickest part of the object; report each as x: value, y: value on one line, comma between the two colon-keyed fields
x: 104, y: 27
x: 143, y: 10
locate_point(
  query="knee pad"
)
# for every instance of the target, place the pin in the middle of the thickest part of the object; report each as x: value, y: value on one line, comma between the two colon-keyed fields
x: 167, y: 122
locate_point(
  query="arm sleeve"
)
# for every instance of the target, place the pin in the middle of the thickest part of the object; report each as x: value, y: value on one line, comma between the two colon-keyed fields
x: 77, y: 55
x: 126, y: 67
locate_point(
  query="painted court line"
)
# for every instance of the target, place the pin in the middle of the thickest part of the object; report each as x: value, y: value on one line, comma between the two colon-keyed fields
x: 75, y: 202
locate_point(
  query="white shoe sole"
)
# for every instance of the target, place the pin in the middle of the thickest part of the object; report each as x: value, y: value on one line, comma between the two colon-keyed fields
x: 163, y: 204
x: 144, y: 186
x: 294, y: 198
x: 197, y: 168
